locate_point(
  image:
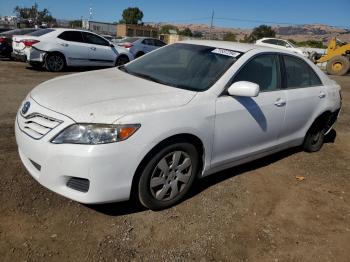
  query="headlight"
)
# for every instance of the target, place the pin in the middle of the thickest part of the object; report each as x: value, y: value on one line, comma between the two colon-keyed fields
x: 92, y: 134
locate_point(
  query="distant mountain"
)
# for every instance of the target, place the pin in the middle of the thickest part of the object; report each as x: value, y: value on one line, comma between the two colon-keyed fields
x: 318, y: 32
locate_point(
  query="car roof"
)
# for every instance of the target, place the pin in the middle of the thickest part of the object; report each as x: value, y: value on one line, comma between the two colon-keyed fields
x: 70, y: 29
x: 240, y: 47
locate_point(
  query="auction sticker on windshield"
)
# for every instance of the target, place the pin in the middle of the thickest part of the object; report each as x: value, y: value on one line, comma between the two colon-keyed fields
x: 225, y: 52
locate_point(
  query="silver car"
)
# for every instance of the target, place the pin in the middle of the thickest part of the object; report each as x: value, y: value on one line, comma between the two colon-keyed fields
x: 138, y: 46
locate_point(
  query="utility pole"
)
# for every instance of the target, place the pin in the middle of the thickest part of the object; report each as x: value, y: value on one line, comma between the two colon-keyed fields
x: 211, y: 24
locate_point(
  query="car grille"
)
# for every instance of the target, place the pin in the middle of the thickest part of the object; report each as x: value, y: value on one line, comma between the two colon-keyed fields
x: 37, y: 125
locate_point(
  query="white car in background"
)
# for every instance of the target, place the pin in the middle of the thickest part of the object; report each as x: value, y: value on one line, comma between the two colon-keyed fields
x: 281, y: 44
x: 138, y: 46
x: 190, y: 109
x: 56, y: 48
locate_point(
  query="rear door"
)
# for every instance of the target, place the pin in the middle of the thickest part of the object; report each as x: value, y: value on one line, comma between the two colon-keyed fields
x: 305, y: 96
x: 72, y: 45
x: 245, y: 126
x: 100, y: 51
x: 148, y: 45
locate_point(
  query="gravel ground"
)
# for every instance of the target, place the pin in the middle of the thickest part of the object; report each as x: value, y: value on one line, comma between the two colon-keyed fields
x: 255, y: 212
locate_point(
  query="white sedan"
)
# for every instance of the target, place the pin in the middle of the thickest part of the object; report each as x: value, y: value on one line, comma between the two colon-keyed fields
x: 187, y: 110
x: 281, y: 44
x: 56, y: 48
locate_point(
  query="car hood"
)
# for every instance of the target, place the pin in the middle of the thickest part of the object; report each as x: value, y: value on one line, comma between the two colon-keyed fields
x: 104, y: 96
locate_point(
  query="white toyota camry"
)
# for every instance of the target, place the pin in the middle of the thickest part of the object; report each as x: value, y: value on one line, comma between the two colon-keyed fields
x: 187, y: 110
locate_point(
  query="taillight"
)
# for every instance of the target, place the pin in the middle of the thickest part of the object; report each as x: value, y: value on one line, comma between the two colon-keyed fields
x: 2, y: 39
x: 29, y: 42
x: 128, y: 45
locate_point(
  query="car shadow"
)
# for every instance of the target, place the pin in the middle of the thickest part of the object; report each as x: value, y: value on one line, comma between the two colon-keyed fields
x: 133, y: 206
x: 68, y: 69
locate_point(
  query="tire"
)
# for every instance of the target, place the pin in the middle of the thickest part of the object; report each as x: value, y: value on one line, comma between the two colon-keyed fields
x: 314, y: 57
x: 139, y: 54
x: 314, y: 138
x: 338, y: 65
x: 121, y: 60
x: 161, y: 184
x: 55, y: 62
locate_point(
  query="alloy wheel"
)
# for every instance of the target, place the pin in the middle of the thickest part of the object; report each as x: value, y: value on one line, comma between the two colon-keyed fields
x: 171, y: 175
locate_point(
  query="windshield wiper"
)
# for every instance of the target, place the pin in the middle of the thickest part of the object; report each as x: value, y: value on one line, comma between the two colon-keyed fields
x: 148, y: 77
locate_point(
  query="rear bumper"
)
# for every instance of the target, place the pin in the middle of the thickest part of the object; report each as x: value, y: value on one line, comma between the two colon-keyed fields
x: 19, y: 57
x: 332, y: 120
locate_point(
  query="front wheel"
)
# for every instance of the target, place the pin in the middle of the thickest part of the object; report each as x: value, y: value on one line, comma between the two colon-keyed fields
x: 168, y: 176
x: 122, y: 60
x: 55, y: 62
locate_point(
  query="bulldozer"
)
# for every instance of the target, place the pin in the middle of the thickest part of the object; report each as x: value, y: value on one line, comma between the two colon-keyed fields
x: 337, y: 57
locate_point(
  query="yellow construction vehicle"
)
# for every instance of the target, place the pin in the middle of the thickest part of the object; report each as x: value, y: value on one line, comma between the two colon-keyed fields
x: 337, y: 57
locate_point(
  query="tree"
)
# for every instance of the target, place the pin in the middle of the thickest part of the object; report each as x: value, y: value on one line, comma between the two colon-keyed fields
x: 311, y: 43
x: 33, y: 13
x: 165, y: 29
x: 132, y: 15
x: 230, y: 37
x: 75, y: 24
x: 197, y: 34
x: 260, y: 32
x: 186, y: 32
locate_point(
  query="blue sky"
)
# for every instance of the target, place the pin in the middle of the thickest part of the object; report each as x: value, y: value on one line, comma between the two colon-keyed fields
x: 334, y: 12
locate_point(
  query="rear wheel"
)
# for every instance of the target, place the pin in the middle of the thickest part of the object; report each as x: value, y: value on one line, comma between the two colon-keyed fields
x: 314, y: 138
x: 338, y: 65
x: 55, y: 62
x: 168, y: 176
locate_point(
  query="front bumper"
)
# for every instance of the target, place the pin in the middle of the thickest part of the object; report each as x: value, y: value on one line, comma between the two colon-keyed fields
x: 109, y: 168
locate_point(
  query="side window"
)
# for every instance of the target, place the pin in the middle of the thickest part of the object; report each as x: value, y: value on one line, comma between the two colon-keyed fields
x: 271, y: 41
x: 263, y: 70
x: 299, y: 73
x: 72, y: 36
x: 148, y: 41
x: 94, y: 39
x: 159, y: 43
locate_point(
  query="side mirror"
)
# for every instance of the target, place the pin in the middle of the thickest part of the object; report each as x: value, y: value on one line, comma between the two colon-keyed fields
x: 244, y: 88
x: 111, y: 45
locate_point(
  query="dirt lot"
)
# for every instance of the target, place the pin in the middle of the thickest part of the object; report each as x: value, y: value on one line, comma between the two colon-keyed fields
x: 255, y: 212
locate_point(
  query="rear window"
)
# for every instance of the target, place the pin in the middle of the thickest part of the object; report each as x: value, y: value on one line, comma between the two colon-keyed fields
x: 129, y: 40
x: 299, y: 73
x: 19, y: 31
x: 11, y: 32
x: 42, y: 32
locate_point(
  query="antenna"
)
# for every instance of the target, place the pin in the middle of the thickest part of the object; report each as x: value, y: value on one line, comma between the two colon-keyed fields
x: 211, y: 24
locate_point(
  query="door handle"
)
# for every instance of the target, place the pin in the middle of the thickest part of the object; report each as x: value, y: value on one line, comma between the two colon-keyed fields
x: 63, y: 44
x: 322, y: 94
x: 93, y: 48
x: 280, y: 102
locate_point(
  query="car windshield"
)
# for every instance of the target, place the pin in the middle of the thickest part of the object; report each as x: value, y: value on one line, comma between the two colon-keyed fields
x: 186, y: 66
x: 42, y: 32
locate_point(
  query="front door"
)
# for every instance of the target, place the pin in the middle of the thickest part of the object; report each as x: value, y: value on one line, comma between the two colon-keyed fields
x: 246, y: 126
